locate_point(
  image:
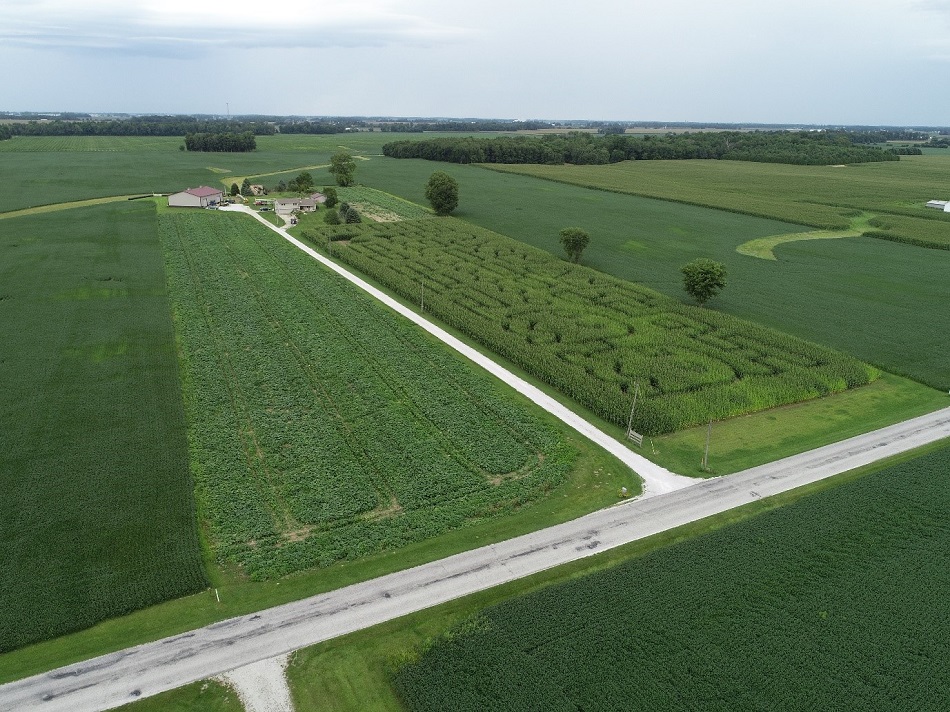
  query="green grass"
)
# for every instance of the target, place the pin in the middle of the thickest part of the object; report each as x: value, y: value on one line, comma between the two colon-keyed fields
x: 845, y: 585
x: 354, y: 672
x: 203, y: 696
x: 880, y: 301
x: 748, y: 441
x: 98, y: 516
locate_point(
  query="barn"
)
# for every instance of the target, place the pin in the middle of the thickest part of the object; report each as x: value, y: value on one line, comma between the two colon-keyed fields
x: 200, y: 197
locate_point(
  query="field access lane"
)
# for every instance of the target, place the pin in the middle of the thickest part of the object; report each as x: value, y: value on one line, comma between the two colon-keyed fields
x: 112, y: 680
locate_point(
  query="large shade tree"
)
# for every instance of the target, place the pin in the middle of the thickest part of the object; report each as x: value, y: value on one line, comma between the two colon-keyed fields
x: 442, y: 192
x: 703, y: 279
x: 574, y: 240
x: 342, y: 168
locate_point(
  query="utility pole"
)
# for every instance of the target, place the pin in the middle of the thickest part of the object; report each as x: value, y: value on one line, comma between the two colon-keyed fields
x: 631, y: 433
x: 705, y: 466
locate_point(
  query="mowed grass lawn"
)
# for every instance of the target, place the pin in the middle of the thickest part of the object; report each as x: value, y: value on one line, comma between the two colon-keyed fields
x: 881, y: 301
x: 97, y: 516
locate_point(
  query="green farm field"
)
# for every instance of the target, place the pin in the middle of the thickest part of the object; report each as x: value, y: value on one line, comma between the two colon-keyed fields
x: 880, y: 301
x: 98, y: 515
x: 809, y: 195
x: 60, y: 169
x: 832, y: 602
x: 323, y: 428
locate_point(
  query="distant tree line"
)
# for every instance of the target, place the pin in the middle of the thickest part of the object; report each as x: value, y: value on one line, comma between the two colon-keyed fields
x: 139, y: 126
x: 474, y: 125
x: 906, y: 151
x: 882, y: 135
x: 221, y: 142
x: 313, y: 127
x: 794, y: 147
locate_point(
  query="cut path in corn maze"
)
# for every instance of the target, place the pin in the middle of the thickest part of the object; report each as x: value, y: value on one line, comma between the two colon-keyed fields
x: 669, y: 501
x: 121, y: 677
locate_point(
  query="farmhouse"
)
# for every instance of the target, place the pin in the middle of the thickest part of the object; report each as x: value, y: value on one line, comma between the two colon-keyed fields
x: 200, y: 197
x: 939, y: 205
x: 285, y: 206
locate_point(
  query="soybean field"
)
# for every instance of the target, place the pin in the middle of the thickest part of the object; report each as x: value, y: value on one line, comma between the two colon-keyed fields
x: 836, y: 601
x: 323, y: 427
x: 595, y: 338
x: 97, y: 516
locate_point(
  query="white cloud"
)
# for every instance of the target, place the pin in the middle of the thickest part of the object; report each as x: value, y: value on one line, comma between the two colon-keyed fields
x: 175, y: 28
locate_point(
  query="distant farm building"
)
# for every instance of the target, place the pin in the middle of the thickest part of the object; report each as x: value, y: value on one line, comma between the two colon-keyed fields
x: 258, y: 190
x: 319, y: 197
x: 285, y: 206
x: 939, y: 205
x: 200, y: 197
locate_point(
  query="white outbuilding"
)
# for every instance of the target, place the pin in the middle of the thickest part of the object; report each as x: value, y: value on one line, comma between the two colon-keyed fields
x: 200, y: 197
x: 939, y: 205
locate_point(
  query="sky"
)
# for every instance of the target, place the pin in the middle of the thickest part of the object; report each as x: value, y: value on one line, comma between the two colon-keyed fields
x: 871, y: 62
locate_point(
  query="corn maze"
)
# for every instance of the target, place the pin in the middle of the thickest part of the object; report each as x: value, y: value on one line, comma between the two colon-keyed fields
x: 590, y: 335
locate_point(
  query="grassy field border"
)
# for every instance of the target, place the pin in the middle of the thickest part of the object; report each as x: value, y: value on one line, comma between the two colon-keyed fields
x: 352, y: 672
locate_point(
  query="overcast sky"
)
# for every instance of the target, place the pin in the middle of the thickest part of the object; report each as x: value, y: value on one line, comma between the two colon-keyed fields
x: 771, y: 61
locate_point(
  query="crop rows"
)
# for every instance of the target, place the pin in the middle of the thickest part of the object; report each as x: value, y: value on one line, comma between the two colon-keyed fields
x: 97, y: 517
x: 592, y: 336
x: 369, y: 199
x: 323, y: 428
x: 837, y: 601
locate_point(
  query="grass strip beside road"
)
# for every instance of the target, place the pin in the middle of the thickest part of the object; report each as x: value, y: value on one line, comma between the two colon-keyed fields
x: 740, y: 443
x: 353, y: 672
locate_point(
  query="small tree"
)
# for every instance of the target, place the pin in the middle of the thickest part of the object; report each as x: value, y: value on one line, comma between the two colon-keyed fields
x: 442, y: 191
x: 234, y: 189
x: 331, y: 217
x: 246, y: 188
x: 703, y: 279
x: 349, y: 214
x: 332, y: 197
x: 574, y: 240
x: 342, y: 168
x: 281, y: 187
x: 304, y: 182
